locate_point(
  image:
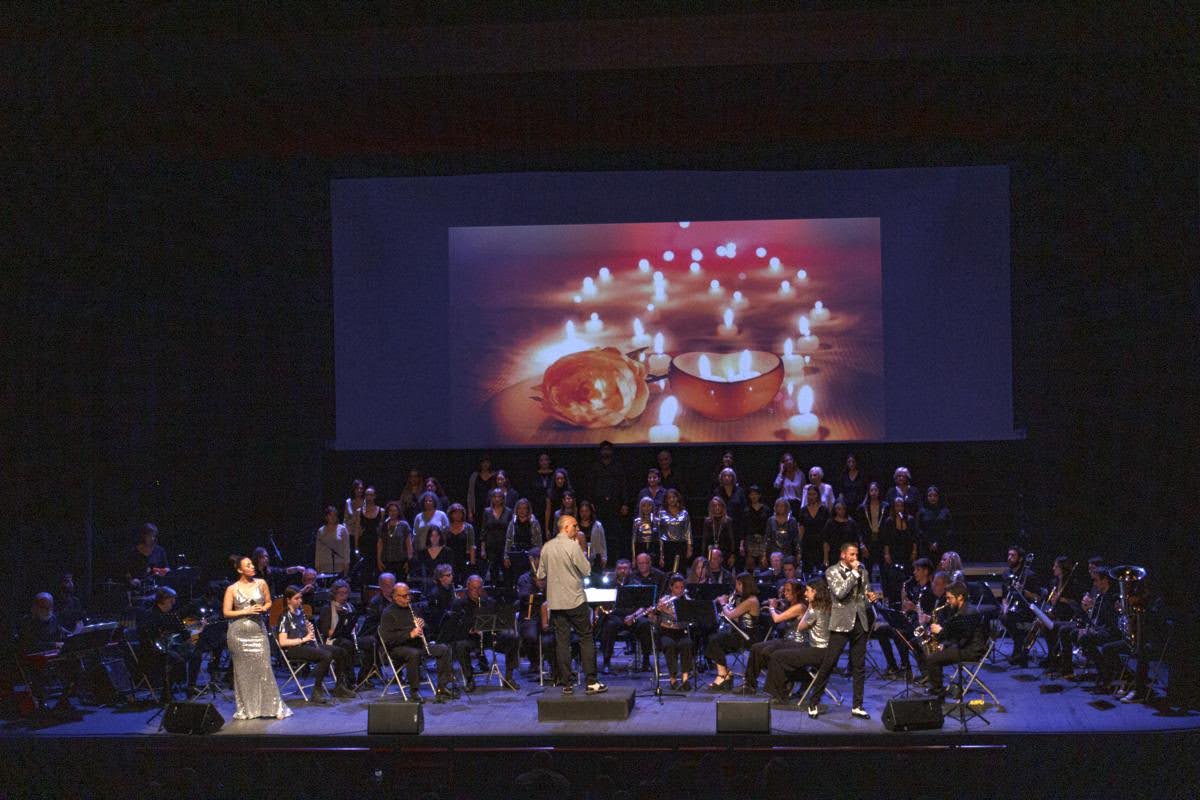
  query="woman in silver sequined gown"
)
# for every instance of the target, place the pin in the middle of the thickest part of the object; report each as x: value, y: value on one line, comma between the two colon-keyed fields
x: 256, y: 694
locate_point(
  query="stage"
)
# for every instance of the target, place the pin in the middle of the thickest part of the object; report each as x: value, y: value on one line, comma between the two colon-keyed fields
x: 1049, y: 731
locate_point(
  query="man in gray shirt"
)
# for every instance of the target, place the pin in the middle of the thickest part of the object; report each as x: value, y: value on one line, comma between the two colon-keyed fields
x: 563, y: 566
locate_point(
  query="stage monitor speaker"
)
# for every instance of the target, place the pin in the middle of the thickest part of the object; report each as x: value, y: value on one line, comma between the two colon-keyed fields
x: 395, y: 718
x: 922, y: 714
x: 743, y: 716
x: 109, y: 681
x: 194, y: 718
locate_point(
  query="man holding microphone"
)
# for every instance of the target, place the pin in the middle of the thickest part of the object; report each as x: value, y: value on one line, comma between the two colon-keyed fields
x: 850, y: 620
x: 563, y: 566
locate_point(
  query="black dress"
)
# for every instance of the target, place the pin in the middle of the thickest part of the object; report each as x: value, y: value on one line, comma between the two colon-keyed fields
x: 811, y: 549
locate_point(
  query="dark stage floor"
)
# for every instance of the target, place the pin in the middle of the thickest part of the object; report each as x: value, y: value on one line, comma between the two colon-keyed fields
x: 481, y: 743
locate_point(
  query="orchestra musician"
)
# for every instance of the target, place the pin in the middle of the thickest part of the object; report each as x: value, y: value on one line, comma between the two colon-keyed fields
x: 1017, y: 616
x: 963, y: 634
x: 917, y: 597
x: 1064, y: 610
x: 850, y: 622
x: 620, y: 617
x: 1101, y: 628
x: 403, y: 633
x: 788, y: 610
x: 717, y: 574
x: 147, y: 559
x: 297, y: 637
x: 812, y: 633
x: 673, y: 639
x: 164, y: 643
x: 740, y: 610
x: 337, y: 621
x: 471, y: 640
x: 368, y: 632
x: 41, y: 632
x: 772, y: 574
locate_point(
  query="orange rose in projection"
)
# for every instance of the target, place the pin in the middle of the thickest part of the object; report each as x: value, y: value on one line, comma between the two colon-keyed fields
x: 596, y: 388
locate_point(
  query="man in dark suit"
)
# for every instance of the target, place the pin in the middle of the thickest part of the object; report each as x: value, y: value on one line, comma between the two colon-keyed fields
x: 963, y: 634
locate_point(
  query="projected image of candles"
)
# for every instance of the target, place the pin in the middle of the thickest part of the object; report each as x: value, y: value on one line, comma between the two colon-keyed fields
x: 666, y: 332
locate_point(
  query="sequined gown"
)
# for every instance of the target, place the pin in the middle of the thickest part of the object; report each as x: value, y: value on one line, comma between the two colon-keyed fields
x: 256, y: 694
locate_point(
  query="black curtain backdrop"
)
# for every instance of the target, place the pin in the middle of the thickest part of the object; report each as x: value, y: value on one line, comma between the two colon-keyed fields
x: 168, y: 318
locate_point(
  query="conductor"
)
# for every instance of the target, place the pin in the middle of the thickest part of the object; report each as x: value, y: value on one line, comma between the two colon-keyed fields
x: 563, y: 567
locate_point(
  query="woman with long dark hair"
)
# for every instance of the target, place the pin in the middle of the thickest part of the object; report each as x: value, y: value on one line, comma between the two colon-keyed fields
x: 740, y: 610
x: 789, y: 664
x: 787, y: 610
x: 460, y: 538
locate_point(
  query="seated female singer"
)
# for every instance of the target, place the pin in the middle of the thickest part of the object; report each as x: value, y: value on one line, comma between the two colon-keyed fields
x: 739, y: 617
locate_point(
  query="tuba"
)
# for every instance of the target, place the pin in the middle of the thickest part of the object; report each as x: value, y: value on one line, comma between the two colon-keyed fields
x: 1130, y: 580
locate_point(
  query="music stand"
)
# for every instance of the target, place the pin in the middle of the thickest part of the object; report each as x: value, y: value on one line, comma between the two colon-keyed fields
x: 897, y: 621
x: 498, y: 619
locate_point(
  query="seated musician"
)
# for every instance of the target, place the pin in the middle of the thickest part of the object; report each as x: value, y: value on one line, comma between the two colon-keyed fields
x: 39, y: 633
x: 530, y: 594
x: 773, y: 573
x: 440, y: 601
x: 368, y: 632
x: 917, y: 597
x: 674, y: 640
x: 789, y: 571
x: 716, y: 569
x: 962, y: 632
x: 787, y: 610
x: 469, y: 639
x: 337, y: 621
x: 1065, y: 611
x: 147, y: 561
x: 619, y: 618
x: 646, y: 574
x: 67, y: 604
x: 812, y: 632
x: 741, y: 610
x: 166, y: 644
x: 1015, y: 613
x: 298, y: 639
x: 214, y: 631
x: 1100, y: 629
x: 402, y: 633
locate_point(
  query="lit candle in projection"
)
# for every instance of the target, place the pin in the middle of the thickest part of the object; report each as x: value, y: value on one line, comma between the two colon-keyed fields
x: 775, y: 264
x: 644, y: 265
x: 804, y: 424
x: 785, y: 288
x: 659, y: 361
x: 704, y: 367
x: 589, y: 287
x: 730, y: 249
x: 739, y: 300
x: 640, y: 337
x: 727, y: 329
x: 697, y: 254
x: 819, y: 312
x: 808, y: 342
x: 694, y: 267
x: 577, y: 299
x: 744, y: 368
x: 594, y: 324
x: 791, y: 361
x: 569, y: 328
x: 605, y: 275
x: 721, y: 250
x: 666, y: 430
x: 714, y: 287
x: 801, y: 275
x: 684, y: 224
x: 761, y: 252
x: 668, y: 255
x: 660, y: 294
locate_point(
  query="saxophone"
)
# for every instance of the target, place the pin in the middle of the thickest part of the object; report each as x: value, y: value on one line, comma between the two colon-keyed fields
x: 925, y: 637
